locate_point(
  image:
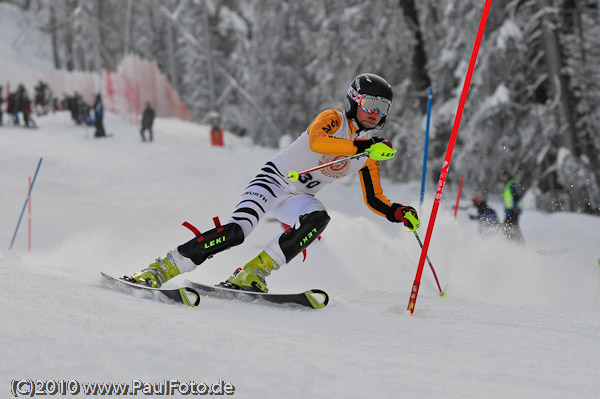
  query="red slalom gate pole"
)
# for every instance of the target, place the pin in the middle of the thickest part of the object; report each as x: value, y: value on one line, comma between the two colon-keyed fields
x: 458, y: 196
x: 444, y: 173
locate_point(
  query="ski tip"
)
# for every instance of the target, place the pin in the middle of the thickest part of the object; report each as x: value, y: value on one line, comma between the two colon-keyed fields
x: 189, y: 296
x: 317, y: 303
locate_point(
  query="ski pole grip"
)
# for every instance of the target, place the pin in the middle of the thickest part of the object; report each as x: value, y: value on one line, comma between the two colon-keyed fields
x: 415, y: 222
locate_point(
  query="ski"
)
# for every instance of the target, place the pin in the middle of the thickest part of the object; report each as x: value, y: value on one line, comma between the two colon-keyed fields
x: 186, y: 295
x: 315, y: 299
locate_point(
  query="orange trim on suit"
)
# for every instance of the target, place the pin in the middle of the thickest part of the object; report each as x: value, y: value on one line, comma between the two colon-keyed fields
x: 321, y: 141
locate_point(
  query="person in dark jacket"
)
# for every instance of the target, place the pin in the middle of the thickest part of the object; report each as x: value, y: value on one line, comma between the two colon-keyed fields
x: 99, y: 115
x: 11, y: 108
x: 23, y: 105
x: 26, y: 110
x: 147, y: 121
x: 1, y: 103
x: 486, y: 216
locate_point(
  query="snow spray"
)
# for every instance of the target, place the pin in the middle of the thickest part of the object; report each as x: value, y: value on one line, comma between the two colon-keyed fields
x: 444, y: 173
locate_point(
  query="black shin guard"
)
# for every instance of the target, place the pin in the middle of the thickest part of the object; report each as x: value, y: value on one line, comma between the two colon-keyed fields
x: 293, y: 241
x: 213, y: 241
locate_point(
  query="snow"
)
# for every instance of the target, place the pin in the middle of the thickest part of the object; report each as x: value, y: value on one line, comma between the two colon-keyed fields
x: 520, y: 322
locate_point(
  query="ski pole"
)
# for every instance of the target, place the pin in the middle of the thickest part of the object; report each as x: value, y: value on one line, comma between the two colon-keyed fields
x: 25, y: 204
x: 442, y: 293
x: 379, y: 151
x: 294, y: 175
x: 417, y: 223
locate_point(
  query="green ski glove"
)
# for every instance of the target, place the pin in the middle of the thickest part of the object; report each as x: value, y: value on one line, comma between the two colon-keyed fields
x: 381, y: 152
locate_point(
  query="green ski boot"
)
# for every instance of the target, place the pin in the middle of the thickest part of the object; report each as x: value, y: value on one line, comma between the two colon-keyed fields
x: 158, y: 272
x: 252, y: 276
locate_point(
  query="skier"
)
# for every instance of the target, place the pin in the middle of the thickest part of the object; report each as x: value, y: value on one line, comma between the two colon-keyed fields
x: 334, y: 133
x: 487, y: 217
x: 512, y: 208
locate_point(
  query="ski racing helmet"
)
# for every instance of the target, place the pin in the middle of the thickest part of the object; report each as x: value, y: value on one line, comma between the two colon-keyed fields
x: 372, y: 93
x: 477, y: 199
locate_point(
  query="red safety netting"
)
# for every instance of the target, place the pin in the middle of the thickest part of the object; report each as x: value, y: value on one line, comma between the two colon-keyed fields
x: 124, y: 91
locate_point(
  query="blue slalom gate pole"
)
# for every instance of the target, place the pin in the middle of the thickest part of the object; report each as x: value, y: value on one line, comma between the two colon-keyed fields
x: 429, y: 98
x: 25, y: 205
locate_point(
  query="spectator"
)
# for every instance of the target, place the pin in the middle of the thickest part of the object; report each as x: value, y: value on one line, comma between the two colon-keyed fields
x: 147, y: 121
x: 1, y: 103
x: 41, y: 97
x: 98, y: 115
x: 25, y: 108
x: 12, y: 109
x: 74, y: 107
x: 512, y: 208
x: 216, y: 133
x: 56, y: 106
x: 84, y: 114
x: 22, y: 104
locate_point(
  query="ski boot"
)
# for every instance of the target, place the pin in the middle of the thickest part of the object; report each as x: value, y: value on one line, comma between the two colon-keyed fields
x: 157, y: 273
x: 252, y: 276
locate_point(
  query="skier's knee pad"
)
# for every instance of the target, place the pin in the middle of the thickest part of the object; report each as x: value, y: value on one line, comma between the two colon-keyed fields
x: 212, y: 242
x: 311, y: 225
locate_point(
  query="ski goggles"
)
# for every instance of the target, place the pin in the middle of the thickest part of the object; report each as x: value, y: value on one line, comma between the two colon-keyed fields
x: 369, y: 103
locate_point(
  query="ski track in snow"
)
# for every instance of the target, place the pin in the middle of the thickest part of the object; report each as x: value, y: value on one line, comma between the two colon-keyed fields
x: 519, y: 322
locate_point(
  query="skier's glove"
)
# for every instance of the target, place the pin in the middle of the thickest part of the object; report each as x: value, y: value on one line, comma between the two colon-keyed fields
x: 363, y: 144
x: 405, y: 214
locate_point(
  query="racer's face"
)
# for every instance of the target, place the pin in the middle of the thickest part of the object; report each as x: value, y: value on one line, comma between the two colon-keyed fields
x: 369, y: 120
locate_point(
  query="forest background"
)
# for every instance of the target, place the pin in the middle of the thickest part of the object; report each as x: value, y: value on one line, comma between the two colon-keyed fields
x: 269, y: 66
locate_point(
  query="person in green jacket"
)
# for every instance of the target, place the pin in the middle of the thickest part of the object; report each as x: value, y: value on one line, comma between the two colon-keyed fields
x: 512, y: 208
